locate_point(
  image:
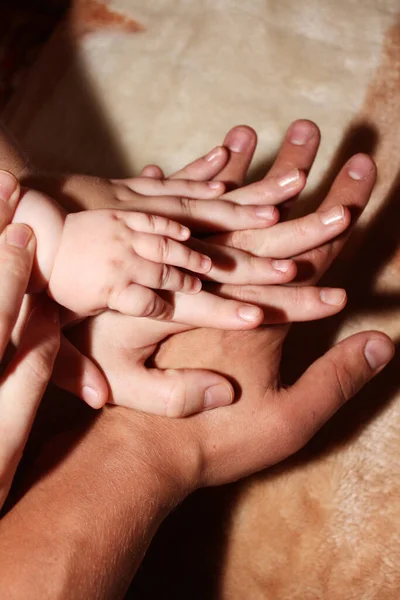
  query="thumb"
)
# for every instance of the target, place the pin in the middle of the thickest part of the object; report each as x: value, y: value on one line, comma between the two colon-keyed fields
x: 77, y: 374
x: 333, y: 379
x: 175, y: 393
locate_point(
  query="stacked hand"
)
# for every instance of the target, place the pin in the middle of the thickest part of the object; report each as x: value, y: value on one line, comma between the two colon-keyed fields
x: 182, y: 392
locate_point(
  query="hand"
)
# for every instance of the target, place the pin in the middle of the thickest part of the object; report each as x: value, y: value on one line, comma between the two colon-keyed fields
x: 179, y: 393
x: 110, y: 259
x: 77, y: 373
x: 269, y: 421
x: 24, y: 380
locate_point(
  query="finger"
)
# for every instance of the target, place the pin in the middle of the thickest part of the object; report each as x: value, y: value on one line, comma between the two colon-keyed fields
x: 208, y: 310
x: 241, y: 142
x: 287, y: 304
x: 204, y: 168
x: 174, y: 393
x: 9, y: 195
x: 331, y: 381
x: 292, y: 237
x: 207, y: 215
x: 273, y: 190
x: 160, y: 249
x: 17, y: 248
x: 298, y: 149
x: 77, y: 374
x: 159, y: 276
x: 148, y: 223
x: 174, y: 187
x: 25, y: 380
x: 138, y: 301
x: 152, y: 171
x: 352, y: 188
x: 235, y: 266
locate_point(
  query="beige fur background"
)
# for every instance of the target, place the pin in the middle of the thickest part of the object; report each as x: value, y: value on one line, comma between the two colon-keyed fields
x: 127, y: 82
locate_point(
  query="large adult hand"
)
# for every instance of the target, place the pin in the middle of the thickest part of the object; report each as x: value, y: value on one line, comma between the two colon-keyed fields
x: 269, y: 422
x: 23, y: 380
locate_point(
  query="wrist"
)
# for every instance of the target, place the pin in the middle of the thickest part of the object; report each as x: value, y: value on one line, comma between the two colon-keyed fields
x: 100, y: 491
x: 165, y: 453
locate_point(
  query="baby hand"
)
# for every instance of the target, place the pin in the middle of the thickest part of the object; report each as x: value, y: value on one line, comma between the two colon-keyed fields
x: 114, y: 259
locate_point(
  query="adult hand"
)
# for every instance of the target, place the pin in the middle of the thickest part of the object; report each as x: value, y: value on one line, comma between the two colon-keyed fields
x: 24, y: 380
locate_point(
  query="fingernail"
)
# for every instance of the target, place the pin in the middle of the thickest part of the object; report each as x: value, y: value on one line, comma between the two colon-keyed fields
x: 249, y: 313
x: 184, y: 232
x: 281, y: 265
x: 288, y: 178
x: 332, y: 297
x: 8, y: 185
x: 217, y: 395
x: 215, y: 153
x: 214, y: 185
x: 18, y: 235
x: 266, y: 212
x: 378, y: 353
x: 332, y: 215
x: 206, y: 263
x: 301, y: 133
x: 196, y: 285
x: 90, y: 396
x: 359, y: 167
x: 238, y: 140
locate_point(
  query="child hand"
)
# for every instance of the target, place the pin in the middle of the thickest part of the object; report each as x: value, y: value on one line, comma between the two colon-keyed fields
x: 114, y: 259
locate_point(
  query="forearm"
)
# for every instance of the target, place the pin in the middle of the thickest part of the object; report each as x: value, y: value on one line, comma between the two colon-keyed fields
x: 82, y: 529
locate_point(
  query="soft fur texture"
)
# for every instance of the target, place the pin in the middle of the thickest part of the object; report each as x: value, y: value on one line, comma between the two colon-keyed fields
x: 128, y: 82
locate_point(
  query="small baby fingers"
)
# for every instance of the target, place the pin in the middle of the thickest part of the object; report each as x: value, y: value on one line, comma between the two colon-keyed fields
x: 161, y: 249
x: 148, y: 223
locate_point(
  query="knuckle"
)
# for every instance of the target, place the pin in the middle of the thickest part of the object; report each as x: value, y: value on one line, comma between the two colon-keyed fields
x: 164, y: 277
x: 299, y: 299
x: 348, y: 196
x: 154, y: 308
x: 300, y: 228
x: 242, y: 239
x: 162, y: 248
x: 187, y: 205
x: 148, y: 308
x: 295, y: 426
x: 40, y: 363
x: 176, y: 401
x: 152, y: 222
x: 286, y: 425
x: 345, y: 383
